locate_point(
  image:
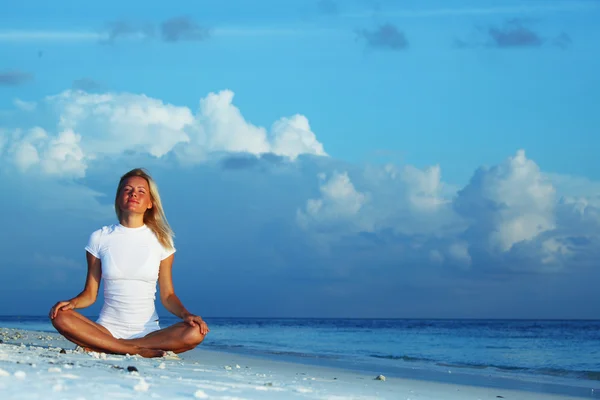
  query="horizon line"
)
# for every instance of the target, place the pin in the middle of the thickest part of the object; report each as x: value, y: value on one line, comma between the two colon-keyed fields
x: 364, y: 318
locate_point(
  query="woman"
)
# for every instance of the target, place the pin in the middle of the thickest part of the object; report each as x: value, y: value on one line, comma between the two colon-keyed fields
x: 131, y: 256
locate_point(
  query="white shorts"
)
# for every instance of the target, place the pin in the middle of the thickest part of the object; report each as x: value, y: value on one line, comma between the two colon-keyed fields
x: 129, y: 331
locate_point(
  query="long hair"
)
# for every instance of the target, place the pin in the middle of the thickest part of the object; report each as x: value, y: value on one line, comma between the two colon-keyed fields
x: 154, y: 217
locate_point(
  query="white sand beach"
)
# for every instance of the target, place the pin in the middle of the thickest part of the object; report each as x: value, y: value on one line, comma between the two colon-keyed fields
x: 33, y: 365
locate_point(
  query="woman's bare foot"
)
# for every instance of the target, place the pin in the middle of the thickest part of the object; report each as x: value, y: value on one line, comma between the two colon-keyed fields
x: 150, y: 353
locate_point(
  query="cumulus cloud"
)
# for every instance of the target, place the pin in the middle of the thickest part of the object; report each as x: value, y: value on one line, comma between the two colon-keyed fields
x: 293, y: 136
x: 111, y: 123
x: 508, y: 203
x: 90, y: 126
x: 395, y: 235
x: 58, y: 155
x: 221, y: 127
x: 386, y: 36
x: 508, y: 217
x: 338, y: 207
x: 404, y: 200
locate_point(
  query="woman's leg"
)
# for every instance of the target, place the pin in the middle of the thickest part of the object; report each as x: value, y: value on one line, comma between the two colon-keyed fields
x: 86, y: 333
x: 177, y: 338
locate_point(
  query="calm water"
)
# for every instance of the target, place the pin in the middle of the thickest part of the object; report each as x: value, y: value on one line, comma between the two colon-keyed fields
x: 551, y: 350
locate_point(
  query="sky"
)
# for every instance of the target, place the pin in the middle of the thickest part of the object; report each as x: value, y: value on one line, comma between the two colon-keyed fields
x: 323, y: 158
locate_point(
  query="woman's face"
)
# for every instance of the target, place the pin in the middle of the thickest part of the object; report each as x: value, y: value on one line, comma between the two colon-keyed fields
x: 135, y: 195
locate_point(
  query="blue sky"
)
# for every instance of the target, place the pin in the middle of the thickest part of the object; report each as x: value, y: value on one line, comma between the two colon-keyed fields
x: 316, y: 158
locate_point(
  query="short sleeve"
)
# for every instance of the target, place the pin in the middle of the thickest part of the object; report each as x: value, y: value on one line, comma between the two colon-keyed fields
x: 93, y: 245
x: 166, y: 252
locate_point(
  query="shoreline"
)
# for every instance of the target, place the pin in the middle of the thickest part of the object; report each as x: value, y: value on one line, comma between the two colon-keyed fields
x: 208, y: 373
x: 453, y: 375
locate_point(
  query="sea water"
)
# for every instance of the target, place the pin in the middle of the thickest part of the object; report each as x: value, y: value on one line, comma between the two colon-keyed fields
x: 563, y: 351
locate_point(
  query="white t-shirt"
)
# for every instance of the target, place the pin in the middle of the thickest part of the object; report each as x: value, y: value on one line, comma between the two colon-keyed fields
x: 130, y: 264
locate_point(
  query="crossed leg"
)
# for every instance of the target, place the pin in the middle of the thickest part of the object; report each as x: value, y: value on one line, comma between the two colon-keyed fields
x: 86, y: 333
x: 177, y: 338
x: 82, y: 331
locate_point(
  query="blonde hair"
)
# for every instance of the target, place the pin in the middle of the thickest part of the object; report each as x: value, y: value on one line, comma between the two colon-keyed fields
x: 154, y: 217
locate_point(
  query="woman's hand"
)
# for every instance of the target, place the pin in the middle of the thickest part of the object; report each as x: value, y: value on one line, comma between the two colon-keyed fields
x: 61, y: 306
x: 194, y: 320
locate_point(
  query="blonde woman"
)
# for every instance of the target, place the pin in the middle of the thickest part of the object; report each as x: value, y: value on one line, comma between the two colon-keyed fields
x: 131, y: 256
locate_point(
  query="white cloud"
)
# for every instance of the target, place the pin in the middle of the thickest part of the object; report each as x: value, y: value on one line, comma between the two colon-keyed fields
x: 508, y: 203
x: 54, y: 155
x: 340, y: 205
x: 63, y: 156
x: 511, y: 215
x: 91, y: 126
x: 111, y: 124
x: 293, y: 136
x: 508, y: 216
x: 410, y: 201
x: 424, y: 187
x: 406, y: 200
x: 220, y: 126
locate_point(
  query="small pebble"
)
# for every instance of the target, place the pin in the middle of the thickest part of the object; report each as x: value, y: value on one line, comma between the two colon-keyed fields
x: 63, y: 351
x: 200, y: 394
x: 380, y: 378
x: 131, y: 368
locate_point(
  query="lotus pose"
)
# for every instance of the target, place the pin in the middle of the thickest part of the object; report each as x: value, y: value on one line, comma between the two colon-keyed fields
x: 131, y: 256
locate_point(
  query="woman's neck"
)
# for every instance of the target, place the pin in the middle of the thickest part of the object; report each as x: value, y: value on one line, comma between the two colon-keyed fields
x: 132, y: 220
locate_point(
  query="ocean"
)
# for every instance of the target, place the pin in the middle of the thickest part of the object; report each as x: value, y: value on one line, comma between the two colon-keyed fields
x: 555, y: 352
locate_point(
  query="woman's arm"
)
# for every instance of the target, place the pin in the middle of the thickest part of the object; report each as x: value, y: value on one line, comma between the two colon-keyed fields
x: 170, y: 300
x: 88, y: 295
